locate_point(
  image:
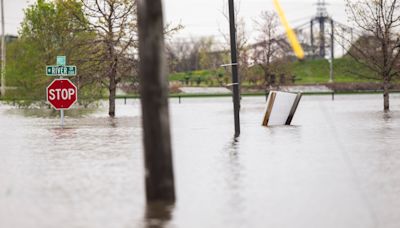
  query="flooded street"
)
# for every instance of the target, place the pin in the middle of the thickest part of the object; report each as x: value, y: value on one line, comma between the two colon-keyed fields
x: 337, y: 166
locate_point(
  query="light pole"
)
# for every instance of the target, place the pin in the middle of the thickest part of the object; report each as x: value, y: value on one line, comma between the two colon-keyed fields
x: 332, y: 53
x: 330, y: 60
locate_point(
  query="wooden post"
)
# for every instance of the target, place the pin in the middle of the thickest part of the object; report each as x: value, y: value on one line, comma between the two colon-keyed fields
x: 154, y: 97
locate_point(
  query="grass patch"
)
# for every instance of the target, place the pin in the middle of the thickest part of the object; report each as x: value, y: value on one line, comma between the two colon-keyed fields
x: 345, y: 70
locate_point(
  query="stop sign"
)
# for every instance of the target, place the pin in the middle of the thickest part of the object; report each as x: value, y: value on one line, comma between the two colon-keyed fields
x: 62, y: 94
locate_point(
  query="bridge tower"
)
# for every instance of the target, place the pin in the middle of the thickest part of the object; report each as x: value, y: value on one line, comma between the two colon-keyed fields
x: 322, y: 18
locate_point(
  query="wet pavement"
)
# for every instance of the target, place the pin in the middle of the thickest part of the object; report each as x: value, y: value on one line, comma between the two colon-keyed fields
x: 337, y: 166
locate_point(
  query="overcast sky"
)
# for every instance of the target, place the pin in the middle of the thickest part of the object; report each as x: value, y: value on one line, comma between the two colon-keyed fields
x: 204, y: 17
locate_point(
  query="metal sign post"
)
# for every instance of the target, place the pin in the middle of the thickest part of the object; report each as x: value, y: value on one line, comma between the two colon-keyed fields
x: 62, y: 110
x: 62, y: 117
x: 61, y: 61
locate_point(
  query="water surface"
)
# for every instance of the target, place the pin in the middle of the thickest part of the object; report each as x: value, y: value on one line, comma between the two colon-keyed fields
x: 337, y: 166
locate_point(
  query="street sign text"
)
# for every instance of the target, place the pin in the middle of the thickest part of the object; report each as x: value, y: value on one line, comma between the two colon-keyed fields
x: 61, y: 70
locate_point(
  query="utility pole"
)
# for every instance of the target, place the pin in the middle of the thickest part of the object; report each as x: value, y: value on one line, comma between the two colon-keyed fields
x: 160, y: 185
x: 234, y: 63
x: 3, y: 52
x: 321, y: 17
x: 321, y: 37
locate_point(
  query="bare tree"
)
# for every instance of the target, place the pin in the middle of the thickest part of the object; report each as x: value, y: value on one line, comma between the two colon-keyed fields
x: 115, y: 23
x: 193, y: 54
x: 206, y: 54
x: 379, y: 49
x: 267, y: 48
x: 183, y: 55
x: 242, y: 42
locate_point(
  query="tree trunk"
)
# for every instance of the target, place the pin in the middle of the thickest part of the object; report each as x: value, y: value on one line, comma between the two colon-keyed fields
x: 386, y: 86
x: 112, y: 89
x: 266, y: 83
x: 266, y: 77
x: 111, y: 99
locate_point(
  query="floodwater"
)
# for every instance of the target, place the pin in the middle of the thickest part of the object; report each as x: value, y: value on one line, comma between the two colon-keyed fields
x: 337, y: 166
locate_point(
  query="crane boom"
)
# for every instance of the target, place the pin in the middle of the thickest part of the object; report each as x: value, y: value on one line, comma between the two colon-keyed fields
x: 294, y: 43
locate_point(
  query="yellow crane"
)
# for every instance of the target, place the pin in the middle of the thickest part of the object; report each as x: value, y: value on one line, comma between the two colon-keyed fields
x: 298, y: 50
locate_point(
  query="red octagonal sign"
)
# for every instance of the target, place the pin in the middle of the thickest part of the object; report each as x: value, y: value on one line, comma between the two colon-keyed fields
x: 62, y: 94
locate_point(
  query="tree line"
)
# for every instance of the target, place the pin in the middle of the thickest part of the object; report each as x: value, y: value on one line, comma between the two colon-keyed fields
x: 377, y: 47
x: 100, y: 37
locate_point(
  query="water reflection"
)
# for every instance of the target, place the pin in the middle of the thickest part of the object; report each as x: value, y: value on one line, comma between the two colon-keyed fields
x: 158, y: 214
x: 49, y: 112
x: 387, y: 115
x: 233, y: 162
x: 234, y: 182
x: 63, y: 133
x: 113, y: 122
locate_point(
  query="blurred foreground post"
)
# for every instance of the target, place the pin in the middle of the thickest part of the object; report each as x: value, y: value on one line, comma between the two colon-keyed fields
x: 154, y: 97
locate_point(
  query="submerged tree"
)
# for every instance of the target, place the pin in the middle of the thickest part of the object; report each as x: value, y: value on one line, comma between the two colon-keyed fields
x: 379, y: 49
x: 267, y: 48
x: 115, y: 24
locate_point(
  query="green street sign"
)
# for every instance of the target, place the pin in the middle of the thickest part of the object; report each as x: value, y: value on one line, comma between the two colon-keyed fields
x: 61, y: 60
x: 61, y: 70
